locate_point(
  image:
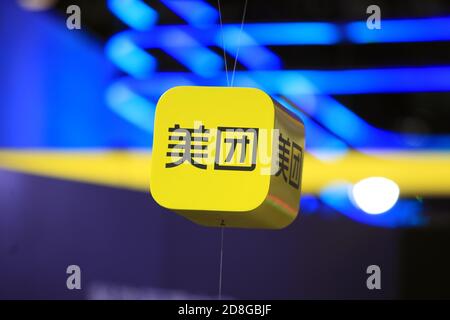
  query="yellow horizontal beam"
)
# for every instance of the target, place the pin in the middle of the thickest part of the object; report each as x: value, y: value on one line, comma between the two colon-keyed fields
x: 417, y: 173
x: 107, y: 167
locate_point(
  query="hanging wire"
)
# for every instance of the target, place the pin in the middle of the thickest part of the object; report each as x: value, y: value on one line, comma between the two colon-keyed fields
x: 223, y: 42
x: 222, y: 224
x: 239, y: 42
x: 221, y: 261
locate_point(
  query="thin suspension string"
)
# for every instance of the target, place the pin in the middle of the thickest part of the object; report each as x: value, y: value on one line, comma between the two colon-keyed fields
x: 221, y: 261
x: 239, y: 42
x: 222, y: 225
x: 223, y: 43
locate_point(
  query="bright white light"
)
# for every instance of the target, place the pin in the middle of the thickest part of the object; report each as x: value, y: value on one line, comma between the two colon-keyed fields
x: 375, y: 195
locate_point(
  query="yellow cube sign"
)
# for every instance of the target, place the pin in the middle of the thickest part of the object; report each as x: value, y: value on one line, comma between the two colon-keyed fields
x: 227, y: 157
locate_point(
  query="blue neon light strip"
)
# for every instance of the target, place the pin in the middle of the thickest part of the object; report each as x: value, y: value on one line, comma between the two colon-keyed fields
x: 189, y: 52
x: 419, y: 79
x: 293, y: 33
x: 274, y: 34
x: 408, y: 30
x: 192, y: 54
x: 197, y: 13
x: 250, y: 53
x: 346, y: 125
x: 129, y: 57
x: 308, y: 82
x: 308, y: 33
x: 135, y: 13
